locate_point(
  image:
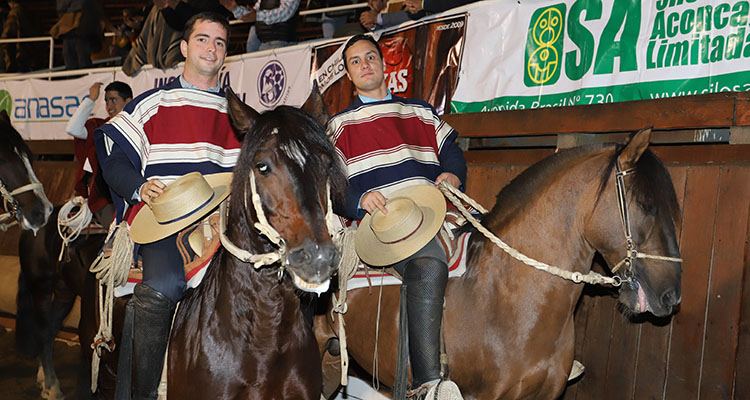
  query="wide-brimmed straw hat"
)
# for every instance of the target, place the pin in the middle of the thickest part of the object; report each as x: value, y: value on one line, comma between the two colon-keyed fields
x: 415, y: 215
x: 184, y: 201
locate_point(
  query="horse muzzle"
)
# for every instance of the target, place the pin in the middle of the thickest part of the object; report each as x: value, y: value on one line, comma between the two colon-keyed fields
x: 312, y: 266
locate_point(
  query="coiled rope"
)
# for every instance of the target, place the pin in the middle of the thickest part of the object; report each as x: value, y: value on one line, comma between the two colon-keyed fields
x: 70, y: 226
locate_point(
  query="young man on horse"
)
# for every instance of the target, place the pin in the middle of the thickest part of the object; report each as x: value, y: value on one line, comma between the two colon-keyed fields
x: 82, y: 128
x: 165, y: 133
x: 390, y: 146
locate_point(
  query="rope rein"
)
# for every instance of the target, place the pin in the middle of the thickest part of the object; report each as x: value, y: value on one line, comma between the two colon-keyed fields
x: 111, y: 270
x: 70, y: 226
x: 453, y: 194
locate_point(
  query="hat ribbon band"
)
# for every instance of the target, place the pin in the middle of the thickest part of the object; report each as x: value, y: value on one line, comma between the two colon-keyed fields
x: 189, y: 213
x: 407, y: 236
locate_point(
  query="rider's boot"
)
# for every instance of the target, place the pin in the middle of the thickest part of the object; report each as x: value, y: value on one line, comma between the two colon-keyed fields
x: 152, y: 322
x: 425, y: 279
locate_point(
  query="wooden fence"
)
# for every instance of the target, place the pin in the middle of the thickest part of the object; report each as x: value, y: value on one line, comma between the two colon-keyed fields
x: 703, y: 352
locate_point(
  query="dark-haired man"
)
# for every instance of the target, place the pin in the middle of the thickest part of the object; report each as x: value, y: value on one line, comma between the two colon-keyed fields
x: 89, y: 182
x: 162, y: 134
x: 389, y: 143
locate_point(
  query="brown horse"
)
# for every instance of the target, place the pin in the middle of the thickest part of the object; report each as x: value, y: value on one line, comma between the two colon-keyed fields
x: 508, y: 327
x: 241, y: 333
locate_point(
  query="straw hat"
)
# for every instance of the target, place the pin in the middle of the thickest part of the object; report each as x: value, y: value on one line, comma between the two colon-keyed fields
x: 415, y: 215
x: 184, y: 201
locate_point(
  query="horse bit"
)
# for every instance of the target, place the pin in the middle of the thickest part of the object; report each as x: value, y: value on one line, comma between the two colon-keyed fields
x: 631, y: 252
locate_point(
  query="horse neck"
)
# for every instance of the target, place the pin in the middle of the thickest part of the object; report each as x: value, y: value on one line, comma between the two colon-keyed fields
x: 254, y: 295
x: 550, y: 229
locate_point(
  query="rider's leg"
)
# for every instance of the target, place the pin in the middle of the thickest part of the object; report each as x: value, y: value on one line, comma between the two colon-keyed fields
x: 154, y: 303
x: 425, y: 275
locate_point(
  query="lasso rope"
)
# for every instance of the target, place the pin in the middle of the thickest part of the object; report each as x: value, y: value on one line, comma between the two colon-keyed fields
x: 70, y: 226
x: 111, y: 271
x: 453, y: 194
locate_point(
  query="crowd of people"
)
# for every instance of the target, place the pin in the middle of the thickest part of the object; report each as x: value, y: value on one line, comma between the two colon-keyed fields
x: 151, y: 33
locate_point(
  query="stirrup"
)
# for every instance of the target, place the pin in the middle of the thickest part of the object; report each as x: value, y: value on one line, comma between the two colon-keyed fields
x: 443, y: 390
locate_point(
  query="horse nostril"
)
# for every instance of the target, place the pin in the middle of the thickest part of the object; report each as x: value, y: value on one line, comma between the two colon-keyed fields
x: 300, y: 256
x: 669, y: 298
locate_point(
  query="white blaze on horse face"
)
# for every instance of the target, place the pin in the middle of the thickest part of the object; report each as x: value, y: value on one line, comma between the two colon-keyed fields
x: 39, y: 192
x: 295, y: 153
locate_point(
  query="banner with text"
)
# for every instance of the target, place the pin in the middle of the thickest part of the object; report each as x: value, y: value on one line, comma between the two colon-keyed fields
x: 537, y: 53
x: 40, y: 109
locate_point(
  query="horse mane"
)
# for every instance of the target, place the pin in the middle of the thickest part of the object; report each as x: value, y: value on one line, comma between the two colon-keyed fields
x: 14, y: 139
x: 294, y: 131
x: 513, y: 199
x: 648, y: 185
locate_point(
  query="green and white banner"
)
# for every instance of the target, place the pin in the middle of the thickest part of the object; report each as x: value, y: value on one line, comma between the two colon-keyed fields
x: 538, y: 53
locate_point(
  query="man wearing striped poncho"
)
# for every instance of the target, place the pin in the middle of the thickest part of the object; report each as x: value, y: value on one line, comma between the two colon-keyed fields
x: 163, y: 134
x: 388, y: 143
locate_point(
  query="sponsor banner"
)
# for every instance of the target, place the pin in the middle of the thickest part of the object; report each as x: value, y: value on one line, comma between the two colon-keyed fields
x: 537, y: 53
x: 40, y: 109
x: 421, y: 61
x: 262, y: 80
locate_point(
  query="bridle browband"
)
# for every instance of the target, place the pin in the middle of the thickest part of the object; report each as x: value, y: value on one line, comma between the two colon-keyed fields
x: 631, y: 253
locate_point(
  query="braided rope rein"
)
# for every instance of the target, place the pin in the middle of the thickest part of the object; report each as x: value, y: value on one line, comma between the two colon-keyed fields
x: 453, y: 194
x: 9, y: 202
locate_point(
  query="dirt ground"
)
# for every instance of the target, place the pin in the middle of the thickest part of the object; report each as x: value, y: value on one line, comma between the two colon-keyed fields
x: 18, y: 373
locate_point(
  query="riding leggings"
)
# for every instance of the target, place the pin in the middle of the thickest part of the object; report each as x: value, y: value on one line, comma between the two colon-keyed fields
x: 425, y: 275
x: 163, y: 268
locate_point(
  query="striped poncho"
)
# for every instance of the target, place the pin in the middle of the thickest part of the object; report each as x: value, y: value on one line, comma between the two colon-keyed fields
x: 170, y: 131
x: 391, y: 144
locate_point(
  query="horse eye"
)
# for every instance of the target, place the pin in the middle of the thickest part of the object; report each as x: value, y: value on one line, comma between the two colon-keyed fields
x: 264, y: 169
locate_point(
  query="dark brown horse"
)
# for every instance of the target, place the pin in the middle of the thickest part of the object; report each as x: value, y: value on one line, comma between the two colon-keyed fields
x: 22, y: 194
x: 241, y: 333
x: 509, y: 327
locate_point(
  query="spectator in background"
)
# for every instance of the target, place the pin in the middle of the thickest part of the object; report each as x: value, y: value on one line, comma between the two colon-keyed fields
x: 414, y: 7
x: 330, y: 21
x: 373, y: 18
x: 275, y: 20
x: 16, y: 56
x: 127, y: 33
x: 79, y: 26
x: 89, y: 182
x: 177, y: 12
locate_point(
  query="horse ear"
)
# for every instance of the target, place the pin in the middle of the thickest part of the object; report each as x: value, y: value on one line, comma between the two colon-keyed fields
x: 243, y: 116
x: 315, y: 106
x: 635, y: 148
x: 4, y: 116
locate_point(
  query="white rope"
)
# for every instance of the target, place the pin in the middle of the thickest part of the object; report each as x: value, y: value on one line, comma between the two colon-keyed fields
x: 258, y: 260
x: 111, y: 271
x: 70, y: 226
x: 347, y: 268
x: 592, y: 277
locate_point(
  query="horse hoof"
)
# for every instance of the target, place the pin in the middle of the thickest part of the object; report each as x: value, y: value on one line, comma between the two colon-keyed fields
x: 53, y: 393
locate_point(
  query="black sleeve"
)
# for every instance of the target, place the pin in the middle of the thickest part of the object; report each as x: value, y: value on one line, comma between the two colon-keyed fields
x: 120, y: 174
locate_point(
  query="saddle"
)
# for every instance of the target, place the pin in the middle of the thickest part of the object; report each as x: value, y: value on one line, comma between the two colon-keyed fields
x: 197, y: 244
x: 454, y: 245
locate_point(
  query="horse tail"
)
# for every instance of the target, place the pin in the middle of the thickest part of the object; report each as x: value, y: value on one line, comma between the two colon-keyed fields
x: 28, y: 341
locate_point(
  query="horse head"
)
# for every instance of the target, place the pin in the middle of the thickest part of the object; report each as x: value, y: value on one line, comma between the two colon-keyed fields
x: 23, y: 195
x: 639, y: 242
x: 293, y: 169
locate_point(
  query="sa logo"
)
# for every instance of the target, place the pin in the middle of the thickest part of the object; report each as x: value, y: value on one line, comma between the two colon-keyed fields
x: 544, y: 46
